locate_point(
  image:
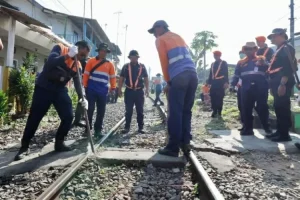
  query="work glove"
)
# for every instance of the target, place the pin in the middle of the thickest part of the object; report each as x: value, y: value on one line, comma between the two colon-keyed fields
x: 84, y: 103
x: 73, y: 51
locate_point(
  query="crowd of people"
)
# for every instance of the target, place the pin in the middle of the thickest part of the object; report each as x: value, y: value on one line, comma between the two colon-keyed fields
x: 258, y: 70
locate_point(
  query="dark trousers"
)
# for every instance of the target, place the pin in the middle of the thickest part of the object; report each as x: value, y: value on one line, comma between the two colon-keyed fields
x: 134, y: 98
x: 259, y: 95
x: 41, y: 101
x: 157, y: 97
x: 181, y: 100
x: 78, y: 113
x: 216, y: 97
x: 116, y: 95
x: 282, y: 106
x: 100, y: 100
x: 239, y: 101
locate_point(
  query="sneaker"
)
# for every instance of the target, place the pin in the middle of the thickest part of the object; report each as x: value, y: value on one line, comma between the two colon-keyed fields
x: 60, y: 146
x: 168, y: 152
x: 24, y: 151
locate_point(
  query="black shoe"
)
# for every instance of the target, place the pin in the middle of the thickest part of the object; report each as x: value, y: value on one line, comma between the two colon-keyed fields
x: 168, y: 152
x: 272, y: 135
x: 186, y: 148
x: 24, y: 151
x: 154, y: 105
x: 268, y: 131
x: 98, y: 134
x: 297, y: 145
x: 214, y: 114
x: 141, y: 131
x: 241, y: 129
x: 281, y: 139
x: 60, y: 146
x: 125, y: 130
x: 162, y: 104
x: 78, y: 124
x: 247, y: 132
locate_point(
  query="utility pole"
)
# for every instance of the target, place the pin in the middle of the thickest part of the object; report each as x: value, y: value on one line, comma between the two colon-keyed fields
x: 118, y: 13
x: 204, y: 61
x: 125, y: 42
x: 83, y: 22
x: 91, y: 9
x: 292, y: 24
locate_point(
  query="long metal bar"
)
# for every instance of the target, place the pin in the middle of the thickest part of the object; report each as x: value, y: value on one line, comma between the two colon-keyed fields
x: 56, y: 187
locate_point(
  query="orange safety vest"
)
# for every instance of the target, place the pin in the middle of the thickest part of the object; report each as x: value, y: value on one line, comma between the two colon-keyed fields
x: 134, y: 87
x: 215, y: 76
x: 273, y: 60
x: 265, y: 52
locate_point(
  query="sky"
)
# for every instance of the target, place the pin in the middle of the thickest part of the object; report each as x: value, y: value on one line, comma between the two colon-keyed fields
x: 235, y: 22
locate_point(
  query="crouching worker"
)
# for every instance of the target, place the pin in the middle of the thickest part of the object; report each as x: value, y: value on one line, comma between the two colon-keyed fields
x: 98, y: 73
x: 50, y: 89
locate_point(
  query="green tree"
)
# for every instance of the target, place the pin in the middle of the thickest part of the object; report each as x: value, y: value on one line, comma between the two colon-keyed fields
x: 202, y: 42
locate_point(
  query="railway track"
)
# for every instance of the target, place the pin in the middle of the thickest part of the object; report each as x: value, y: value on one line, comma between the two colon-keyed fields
x: 205, y: 186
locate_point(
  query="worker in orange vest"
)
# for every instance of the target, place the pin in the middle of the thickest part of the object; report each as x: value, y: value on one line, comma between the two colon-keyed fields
x: 218, y: 81
x: 263, y: 49
x: 134, y: 74
x: 50, y: 89
x: 98, y: 73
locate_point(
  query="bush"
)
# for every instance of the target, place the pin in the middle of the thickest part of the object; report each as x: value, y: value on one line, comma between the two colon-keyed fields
x: 3, y: 106
x: 21, y: 85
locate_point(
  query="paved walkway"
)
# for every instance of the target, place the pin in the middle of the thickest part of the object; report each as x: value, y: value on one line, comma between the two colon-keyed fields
x: 231, y: 140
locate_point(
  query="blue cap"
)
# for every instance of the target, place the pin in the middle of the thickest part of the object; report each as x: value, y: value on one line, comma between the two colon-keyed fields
x: 157, y: 24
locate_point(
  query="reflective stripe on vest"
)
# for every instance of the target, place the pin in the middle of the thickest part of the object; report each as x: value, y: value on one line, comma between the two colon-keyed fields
x: 137, y: 79
x: 273, y: 60
x: 252, y: 73
x: 266, y: 51
x: 214, y: 76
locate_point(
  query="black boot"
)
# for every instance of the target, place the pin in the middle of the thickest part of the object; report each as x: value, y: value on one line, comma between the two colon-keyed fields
x: 125, y: 130
x: 268, y: 131
x: 186, y: 148
x: 297, y: 145
x: 24, y: 151
x: 141, y: 130
x: 162, y: 103
x: 60, y: 146
x: 168, y: 152
x: 214, y: 114
x: 272, y: 135
x: 281, y: 138
x: 245, y: 132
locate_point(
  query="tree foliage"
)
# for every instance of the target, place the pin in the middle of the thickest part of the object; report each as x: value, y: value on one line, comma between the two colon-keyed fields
x: 202, y: 42
x: 21, y: 84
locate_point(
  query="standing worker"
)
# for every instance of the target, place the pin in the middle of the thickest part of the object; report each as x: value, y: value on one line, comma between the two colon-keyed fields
x: 134, y: 74
x: 237, y: 83
x: 282, y: 81
x: 179, y: 71
x: 158, y: 89
x: 263, y: 49
x: 98, y: 73
x: 79, y: 110
x: 254, y: 88
x: 50, y: 89
x: 218, y: 79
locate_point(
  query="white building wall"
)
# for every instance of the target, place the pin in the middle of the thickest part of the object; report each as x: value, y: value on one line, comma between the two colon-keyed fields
x: 21, y: 53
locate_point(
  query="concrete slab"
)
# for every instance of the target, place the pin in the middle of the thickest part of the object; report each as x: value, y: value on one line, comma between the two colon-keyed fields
x: 44, y: 158
x: 220, y: 162
x: 142, y: 156
x: 231, y: 140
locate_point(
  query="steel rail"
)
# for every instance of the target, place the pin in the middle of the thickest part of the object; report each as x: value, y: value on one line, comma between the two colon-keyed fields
x: 56, y: 187
x: 205, y: 181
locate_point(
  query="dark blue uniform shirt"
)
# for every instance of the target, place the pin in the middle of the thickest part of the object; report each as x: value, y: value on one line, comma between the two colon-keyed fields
x: 250, y: 74
x: 268, y: 55
x: 54, y: 59
x: 215, y: 82
x: 134, y: 71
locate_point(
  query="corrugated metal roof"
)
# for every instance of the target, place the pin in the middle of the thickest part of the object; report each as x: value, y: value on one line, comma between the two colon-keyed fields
x: 55, y: 5
x: 21, y: 17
